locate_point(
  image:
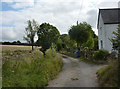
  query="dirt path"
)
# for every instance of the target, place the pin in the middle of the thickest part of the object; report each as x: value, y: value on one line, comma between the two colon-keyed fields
x: 76, y: 74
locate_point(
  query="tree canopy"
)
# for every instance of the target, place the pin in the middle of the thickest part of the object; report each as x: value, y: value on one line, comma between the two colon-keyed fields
x: 80, y: 33
x: 30, y: 32
x: 47, y: 34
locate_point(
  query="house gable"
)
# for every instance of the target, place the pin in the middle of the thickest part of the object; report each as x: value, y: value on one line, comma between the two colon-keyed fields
x: 109, y: 16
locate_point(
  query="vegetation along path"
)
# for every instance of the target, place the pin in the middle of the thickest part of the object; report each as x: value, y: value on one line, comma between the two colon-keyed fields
x: 76, y: 74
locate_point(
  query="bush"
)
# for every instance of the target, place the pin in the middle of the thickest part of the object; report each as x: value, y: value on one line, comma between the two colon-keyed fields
x: 100, y: 55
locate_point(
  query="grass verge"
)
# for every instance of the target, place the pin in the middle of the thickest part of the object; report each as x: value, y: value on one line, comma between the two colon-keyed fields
x: 108, y: 75
x: 32, y: 70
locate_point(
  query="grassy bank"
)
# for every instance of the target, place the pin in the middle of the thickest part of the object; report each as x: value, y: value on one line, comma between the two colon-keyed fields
x: 108, y: 75
x: 32, y: 70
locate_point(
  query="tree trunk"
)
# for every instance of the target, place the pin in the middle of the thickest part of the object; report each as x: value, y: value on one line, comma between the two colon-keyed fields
x: 32, y: 47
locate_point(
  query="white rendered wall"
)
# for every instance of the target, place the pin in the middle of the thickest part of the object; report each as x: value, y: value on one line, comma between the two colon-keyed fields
x: 100, y: 32
x: 105, y: 33
x: 109, y: 28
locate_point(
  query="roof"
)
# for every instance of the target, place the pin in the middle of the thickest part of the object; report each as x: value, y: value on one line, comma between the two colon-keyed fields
x: 110, y: 16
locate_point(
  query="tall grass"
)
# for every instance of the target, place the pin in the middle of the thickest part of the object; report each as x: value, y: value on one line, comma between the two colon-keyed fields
x: 108, y: 75
x: 32, y: 70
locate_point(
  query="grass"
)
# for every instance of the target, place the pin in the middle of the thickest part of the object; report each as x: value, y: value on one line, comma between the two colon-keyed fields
x: 15, y: 52
x: 74, y: 79
x: 108, y: 75
x: 32, y: 70
x: 89, y: 61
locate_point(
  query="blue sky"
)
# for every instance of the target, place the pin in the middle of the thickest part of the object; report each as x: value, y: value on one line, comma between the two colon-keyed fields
x: 60, y: 13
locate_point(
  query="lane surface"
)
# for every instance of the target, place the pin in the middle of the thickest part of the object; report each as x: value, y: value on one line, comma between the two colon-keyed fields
x: 76, y: 73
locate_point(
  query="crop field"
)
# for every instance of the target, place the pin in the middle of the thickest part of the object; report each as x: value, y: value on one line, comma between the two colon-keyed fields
x: 15, y: 47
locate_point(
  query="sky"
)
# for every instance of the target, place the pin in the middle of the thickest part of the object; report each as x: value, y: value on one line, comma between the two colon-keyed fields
x: 62, y: 14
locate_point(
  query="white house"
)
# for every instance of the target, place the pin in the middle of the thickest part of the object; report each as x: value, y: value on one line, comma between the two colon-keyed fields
x: 108, y: 20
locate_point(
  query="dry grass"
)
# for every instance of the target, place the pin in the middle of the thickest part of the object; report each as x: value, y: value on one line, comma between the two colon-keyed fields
x: 16, y: 47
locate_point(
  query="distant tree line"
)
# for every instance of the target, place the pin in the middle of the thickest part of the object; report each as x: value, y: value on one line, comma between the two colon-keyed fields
x: 14, y: 43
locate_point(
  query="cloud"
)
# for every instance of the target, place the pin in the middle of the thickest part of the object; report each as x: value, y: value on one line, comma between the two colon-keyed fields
x: 22, y: 5
x: 16, y: 4
x: 8, y: 33
x: 61, y: 14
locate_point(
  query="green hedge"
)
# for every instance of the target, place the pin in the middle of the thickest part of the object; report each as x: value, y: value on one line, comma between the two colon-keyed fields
x: 100, y: 55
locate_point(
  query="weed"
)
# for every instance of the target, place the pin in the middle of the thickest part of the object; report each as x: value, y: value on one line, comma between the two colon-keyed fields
x: 31, y: 70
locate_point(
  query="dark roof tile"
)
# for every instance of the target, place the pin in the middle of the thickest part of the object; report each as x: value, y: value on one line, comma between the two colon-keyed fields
x: 110, y: 16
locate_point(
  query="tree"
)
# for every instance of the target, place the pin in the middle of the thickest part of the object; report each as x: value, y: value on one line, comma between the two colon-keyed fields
x: 30, y: 32
x: 47, y: 34
x: 116, y: 39
x: 59, y: 44
x: 92, y: 42
x: 80, y: 33
x: 116, y: 45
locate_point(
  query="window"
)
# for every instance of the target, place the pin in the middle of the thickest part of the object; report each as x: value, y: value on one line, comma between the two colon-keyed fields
x: 101, y: 44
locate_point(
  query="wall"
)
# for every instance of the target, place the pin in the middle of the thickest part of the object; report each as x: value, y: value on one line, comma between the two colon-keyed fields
x: 100, y: 32
x: 105, y: 33
x: 109, y: 28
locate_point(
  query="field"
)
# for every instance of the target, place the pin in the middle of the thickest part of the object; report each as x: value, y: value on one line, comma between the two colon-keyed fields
x: 22, y: 67
x: 15, y: 47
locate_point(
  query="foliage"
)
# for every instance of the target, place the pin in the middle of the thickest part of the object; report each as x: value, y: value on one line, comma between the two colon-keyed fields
x: 89, y: 43
x: 59, y: 44
x: 67, y: 43
x: 30, y: 71
x: 108, y: 75
x: 116, y: 39
x: 80, y: 33
x: 47, y: 34
x: 100, y: 55
x: 92, y: 42
x: 30, y: 32
x: 95, y: 43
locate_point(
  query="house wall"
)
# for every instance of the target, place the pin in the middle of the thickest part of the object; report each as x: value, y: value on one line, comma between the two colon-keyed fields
x: 105, y: 33
x: 101, y: 32
x: 109, y: 28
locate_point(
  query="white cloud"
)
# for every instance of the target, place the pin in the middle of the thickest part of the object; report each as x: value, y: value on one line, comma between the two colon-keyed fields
x: 22, y: 5
x: 61, y: 14
x: 17, y: 0
x: 8, y: 33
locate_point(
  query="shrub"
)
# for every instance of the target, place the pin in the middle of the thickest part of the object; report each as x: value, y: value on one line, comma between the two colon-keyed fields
x: 100, y: 55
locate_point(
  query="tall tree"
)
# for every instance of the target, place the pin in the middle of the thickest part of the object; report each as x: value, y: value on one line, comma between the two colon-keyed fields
x: 30, y: 32
x: 80, y: 33
x: 47, y: 34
